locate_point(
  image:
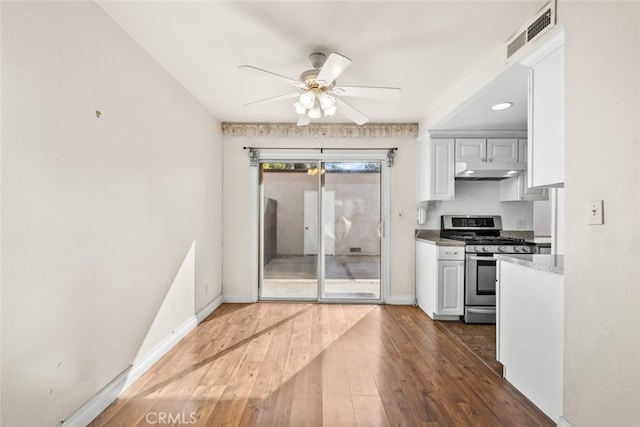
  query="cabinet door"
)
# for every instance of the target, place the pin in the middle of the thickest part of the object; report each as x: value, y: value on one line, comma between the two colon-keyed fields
x: 546, y: 121
x: 471, y: 150
x: 502, y: 150
x: 436, y: 169
x: 426, y: 276
x: 524, y: 191
x: 450, y: 287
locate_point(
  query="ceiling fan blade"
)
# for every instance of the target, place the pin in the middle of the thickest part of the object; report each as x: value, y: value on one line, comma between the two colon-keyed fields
x: 274, y: 99
x: 257, y: 70
x: 332, y: 68
x: 353, y: 114
x: 303, y: 120
x: 368, y: 92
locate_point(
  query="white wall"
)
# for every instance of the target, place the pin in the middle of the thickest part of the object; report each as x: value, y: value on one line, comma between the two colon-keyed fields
x: 479, y: 198
x: 602, y: 263
x: 240, y: 264
x: 542, y: 218
x: 99, y: 215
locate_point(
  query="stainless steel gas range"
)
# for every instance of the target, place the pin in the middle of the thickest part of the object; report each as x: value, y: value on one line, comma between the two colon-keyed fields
x: 481, y: 235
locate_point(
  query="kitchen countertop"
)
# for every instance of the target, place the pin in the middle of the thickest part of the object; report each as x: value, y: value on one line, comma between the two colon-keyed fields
x: 549, y: 263
x: 433, y: 237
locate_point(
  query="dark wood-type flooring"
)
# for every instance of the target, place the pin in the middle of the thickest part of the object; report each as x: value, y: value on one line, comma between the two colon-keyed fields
x: 479, y: 338
x: 271, y: 364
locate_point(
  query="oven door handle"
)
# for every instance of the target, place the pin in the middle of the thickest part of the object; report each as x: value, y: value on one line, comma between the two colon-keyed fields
x: 481, y: 310
x: 483, y: 258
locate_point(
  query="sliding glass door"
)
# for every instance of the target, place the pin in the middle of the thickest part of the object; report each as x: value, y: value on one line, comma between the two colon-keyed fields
x: 352, y: 231
x: 321, y: 231
x: 289, y: 231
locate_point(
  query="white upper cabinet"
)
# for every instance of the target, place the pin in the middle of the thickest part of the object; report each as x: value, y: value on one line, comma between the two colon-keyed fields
x: 517, y: 188
x: 473, y: 150
x: 546, y: 119
x: 503, y: 150
x: 436, y: 169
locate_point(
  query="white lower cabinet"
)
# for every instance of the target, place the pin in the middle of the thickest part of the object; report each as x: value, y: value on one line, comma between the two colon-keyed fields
x: 440, y: 280
x: 450, y: 287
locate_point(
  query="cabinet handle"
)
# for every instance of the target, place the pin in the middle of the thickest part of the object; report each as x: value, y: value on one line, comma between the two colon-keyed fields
x: 491, y: 159
x: 484, y: 159
x: 451, y: 253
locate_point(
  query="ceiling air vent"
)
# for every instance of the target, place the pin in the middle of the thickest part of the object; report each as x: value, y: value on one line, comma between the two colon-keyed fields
x: 516, y: 44
x: 543, y: 21
x: 538, y: 26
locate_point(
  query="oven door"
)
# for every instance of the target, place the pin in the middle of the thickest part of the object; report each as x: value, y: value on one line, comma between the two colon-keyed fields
x: 481, y: 280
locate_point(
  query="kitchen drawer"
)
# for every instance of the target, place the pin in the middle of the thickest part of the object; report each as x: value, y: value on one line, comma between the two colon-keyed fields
x: 450, y: 252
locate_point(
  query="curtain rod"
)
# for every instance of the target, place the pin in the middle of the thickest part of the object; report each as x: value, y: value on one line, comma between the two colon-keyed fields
x: 254, y: 152
x: 321, y: 148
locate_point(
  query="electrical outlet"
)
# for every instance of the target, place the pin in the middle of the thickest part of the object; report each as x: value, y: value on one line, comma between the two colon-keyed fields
x: 594, y: 212
x: 206, y: 289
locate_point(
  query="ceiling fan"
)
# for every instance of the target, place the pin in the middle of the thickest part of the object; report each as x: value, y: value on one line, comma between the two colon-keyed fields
x: 318, y: 94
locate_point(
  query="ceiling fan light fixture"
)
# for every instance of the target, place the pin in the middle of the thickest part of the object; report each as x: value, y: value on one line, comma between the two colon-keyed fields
x: 326, y: 101
x: 307, y: 99
x: 299, y: 108
x: 330, y: 111
x: 315, y: 112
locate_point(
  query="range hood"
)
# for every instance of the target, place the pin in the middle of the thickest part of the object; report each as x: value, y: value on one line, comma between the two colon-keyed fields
x: 488, y: 170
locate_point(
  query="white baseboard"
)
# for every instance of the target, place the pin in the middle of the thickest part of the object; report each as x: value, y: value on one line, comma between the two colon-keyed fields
x: 402, y: 300
x: 236, y: 299
x: 208, y: 309
x: 563, y: 422
x: 105, y: 397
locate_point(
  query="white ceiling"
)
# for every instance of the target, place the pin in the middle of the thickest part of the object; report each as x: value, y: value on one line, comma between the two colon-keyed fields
x: 424, y: 47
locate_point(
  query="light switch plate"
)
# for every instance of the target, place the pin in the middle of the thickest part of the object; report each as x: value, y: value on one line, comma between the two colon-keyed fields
x: 594, y: 212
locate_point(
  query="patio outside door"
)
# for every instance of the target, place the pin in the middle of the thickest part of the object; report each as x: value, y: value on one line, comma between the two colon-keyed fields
x: 320, y: 232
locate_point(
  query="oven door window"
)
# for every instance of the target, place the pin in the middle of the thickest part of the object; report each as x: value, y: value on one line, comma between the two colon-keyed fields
x: 486, y: 271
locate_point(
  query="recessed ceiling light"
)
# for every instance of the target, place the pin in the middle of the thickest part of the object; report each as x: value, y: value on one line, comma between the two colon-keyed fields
x: 502, y: 106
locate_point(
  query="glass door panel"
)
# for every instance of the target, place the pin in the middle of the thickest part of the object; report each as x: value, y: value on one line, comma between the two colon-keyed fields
x: 352, y: 224
x: 289, y: 231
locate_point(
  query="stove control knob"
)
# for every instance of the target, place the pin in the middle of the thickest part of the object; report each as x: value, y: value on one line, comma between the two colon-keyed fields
x: 502, y: 249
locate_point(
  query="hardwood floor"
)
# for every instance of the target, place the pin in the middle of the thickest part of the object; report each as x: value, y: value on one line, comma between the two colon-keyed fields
x: 479, y: 338
x: 321, y: 364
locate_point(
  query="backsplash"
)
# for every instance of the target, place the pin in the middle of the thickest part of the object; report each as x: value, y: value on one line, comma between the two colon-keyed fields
x: 480, y: 198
